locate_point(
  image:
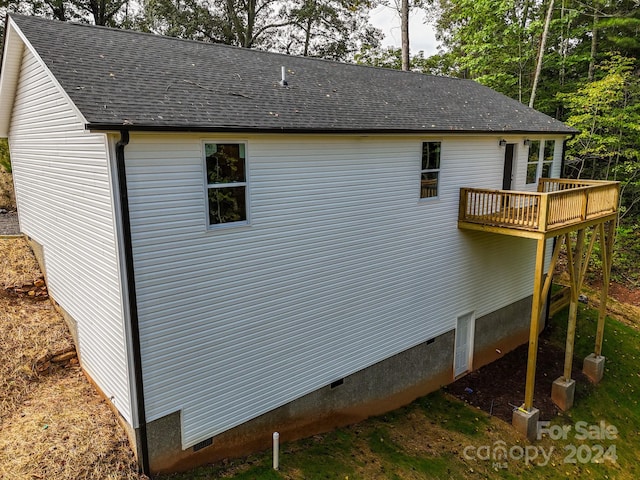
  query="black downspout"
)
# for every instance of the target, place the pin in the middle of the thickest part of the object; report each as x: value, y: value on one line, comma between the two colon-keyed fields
x: 143, y: 450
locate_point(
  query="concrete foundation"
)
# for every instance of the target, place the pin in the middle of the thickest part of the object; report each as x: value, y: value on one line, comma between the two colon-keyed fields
x: 501, y: 332
x: 526, y: 422
x: 563, y: 392
x: 593, y: 367
x: 380, y: 388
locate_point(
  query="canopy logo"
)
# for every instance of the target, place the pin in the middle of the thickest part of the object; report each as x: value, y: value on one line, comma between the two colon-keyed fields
x: 583, y: 451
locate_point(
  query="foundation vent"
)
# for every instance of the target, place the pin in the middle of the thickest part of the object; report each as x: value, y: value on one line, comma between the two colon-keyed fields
x: 203, y: 444
x: 337, y: 383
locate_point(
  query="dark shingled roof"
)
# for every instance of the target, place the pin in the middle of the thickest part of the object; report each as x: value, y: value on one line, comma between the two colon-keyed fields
x: 118, y: 77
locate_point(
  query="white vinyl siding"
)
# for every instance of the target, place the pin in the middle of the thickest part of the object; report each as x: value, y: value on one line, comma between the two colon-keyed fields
x: 342, y: 267
x: 65, y: 203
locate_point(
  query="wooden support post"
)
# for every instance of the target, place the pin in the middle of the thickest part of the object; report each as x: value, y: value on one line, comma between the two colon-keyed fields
x: 606, y: 247
x: 552, y: 266
x: 534, y: 327
x: 576, y: 283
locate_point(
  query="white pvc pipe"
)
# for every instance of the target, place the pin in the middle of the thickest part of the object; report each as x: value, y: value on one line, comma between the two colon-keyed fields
x: 276, y: 450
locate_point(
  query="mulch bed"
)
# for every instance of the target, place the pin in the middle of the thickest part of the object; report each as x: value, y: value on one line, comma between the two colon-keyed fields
x: 498, y: 388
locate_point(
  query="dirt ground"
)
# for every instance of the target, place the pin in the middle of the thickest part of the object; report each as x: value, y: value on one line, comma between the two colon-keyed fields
x: 498, y: 388
x: 622, y: 293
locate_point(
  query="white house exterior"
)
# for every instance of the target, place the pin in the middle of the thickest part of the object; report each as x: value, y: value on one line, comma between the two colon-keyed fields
x: 338, y: 288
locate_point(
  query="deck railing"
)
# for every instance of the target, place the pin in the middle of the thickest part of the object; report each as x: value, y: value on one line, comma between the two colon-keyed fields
x: 557, y: 203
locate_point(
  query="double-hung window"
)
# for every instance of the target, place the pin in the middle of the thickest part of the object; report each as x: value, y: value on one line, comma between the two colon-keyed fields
x: 540, y: 159
x: 430, y: 171
x: 533, y: 161
x: 226, y: 179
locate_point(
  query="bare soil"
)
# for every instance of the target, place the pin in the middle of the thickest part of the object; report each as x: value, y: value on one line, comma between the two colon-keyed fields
x: 498, y: 388
x: 621, y: 293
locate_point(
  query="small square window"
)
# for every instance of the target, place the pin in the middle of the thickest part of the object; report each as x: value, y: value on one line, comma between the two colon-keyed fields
x: 430, y: 171
x: 226, y: 182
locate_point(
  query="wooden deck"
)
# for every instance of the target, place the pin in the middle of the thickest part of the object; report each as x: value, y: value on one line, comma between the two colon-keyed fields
x: 558, y: 206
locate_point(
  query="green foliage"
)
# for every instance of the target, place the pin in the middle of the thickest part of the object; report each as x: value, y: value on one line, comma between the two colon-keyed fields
x: 333, y: 29
x: 5, y: 159
x: 496, y: 42
x: 323, y: 28
x: 391, y: 57
x: 626, y: 256
x: 112, y: 13
x: 492, y: 41
x: 607, y: 113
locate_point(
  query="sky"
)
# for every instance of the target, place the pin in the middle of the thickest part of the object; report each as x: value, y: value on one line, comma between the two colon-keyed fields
x: 421, y: 36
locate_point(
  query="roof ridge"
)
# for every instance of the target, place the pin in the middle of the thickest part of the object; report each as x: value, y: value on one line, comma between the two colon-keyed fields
x: 232, y: 47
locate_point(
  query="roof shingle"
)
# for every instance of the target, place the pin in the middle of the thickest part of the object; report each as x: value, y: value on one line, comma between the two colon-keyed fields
x: 122, y: 78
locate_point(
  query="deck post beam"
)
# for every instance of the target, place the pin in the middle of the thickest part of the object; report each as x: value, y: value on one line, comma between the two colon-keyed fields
x: 534, y: 327
x: 607, y: 236
x: 575, y: 273
x: 554, y: 260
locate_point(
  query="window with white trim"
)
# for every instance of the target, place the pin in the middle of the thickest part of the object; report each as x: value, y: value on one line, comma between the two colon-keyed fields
x: 533, y: 161
x: 547, y: 158
x: 226, y: 179
x: 540, y: 159
x: 430, y: 171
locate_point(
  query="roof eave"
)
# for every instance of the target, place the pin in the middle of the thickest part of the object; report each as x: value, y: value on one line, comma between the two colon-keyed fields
x: 9, y: 74
x: 98, y: 126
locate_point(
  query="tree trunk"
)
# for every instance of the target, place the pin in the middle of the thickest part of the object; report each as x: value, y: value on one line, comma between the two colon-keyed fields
x: 594, y: 48
x: 543, y: 44
x: 251, y: 21
x: 238, y: 28
x: 307, y: 37
x: 404, y: 29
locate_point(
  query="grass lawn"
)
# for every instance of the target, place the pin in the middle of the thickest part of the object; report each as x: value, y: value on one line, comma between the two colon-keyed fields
x: 440, y: 437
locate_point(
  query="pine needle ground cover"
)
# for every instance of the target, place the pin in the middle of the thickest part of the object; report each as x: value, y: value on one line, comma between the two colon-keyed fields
x: 54, y: 424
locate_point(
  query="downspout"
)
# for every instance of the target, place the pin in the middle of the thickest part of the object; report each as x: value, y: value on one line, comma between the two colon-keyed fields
x: 555, y: 239
x: 142, y: 447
